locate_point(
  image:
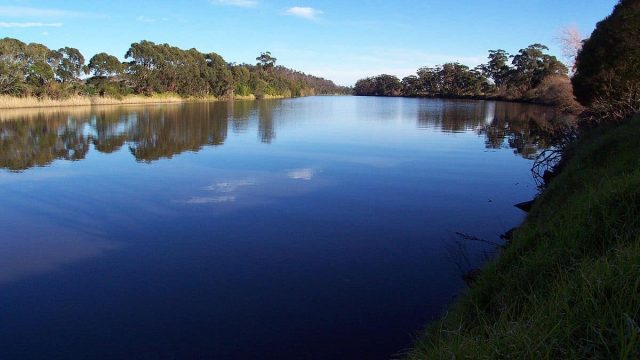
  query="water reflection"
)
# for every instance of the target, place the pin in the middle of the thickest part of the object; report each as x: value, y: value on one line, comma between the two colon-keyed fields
x: 165, y: 132
x: 266, y: 128
x: 37, y: 137
x: 320, y: 220
x: 30, y: 253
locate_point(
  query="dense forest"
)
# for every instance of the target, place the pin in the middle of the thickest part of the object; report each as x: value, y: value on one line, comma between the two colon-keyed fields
x: 35, y: 70
x: 530, y: 75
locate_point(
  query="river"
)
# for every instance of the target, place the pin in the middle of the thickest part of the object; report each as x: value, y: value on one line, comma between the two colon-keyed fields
x: 309, y: 228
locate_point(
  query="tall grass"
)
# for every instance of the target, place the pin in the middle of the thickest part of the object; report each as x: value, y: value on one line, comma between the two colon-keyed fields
x: 568, y: 286
x: 12, y: 102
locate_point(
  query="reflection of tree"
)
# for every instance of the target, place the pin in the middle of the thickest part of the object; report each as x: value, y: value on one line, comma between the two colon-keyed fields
x: 241, y: 112
x: 166, y: 132
x: 108, y: 127
x: 39, y: 138
x: 525, y: 128
x: 463, y: 115
x: 452, y: 115
x: 154, y: 132
x: 266, y: 129
x: 39, y: 141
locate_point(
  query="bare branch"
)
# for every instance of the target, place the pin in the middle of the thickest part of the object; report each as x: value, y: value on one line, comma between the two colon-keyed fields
x: 570, y: 41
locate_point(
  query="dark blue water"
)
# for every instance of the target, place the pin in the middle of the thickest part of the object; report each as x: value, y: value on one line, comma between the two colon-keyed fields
x: 312, y: 228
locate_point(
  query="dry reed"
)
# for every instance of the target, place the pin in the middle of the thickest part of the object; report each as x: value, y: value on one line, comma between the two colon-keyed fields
x: 13, y: 102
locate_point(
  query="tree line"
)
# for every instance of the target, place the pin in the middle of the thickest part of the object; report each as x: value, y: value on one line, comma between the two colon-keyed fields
x: 531, y: 74
x: 35, y: 70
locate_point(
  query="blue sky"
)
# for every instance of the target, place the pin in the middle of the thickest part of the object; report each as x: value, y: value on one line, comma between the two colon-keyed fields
x: 340, y: 40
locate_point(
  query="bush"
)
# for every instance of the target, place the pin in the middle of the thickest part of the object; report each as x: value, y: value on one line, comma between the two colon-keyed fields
x: 610, y: 58
x: 243, y: 90
x: 615, y: 104
x: 557, y: 90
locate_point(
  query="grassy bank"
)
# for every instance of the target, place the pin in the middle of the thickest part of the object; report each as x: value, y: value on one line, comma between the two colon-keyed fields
x: 568, y: 285
x: 13, y: 102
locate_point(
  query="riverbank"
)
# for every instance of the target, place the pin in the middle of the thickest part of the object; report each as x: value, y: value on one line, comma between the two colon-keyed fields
x: 568, y: 283
x: 570, y: 107
x: 13, y: 102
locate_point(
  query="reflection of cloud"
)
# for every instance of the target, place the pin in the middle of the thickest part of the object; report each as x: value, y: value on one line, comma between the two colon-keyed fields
x: 26, y: 254
x: 34, y: 175
x: 301, y: 174
x: 234, y: 191
x: 212, y: 199
x: 229, y: 186
x: 226, y: 189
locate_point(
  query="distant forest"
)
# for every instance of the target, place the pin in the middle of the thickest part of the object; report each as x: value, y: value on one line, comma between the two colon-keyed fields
x: 35, y: 70
x: 531, y: 75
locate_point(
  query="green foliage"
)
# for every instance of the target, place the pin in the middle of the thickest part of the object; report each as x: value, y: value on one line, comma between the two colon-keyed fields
x: 39, y: 74
x: 498, y: 78
x: 105, y: 86
x: 103, y: 64
x: 568, y: 285
x: 266, y: 61
x: 530, y: 66
x: 497, y: 68
x: 243, y: 90
x: 612, y: 53
x: 151, y: 68
x: 10, y: 78
x: 608, y: 66
x: 71, y: 65
x: 452, y: 79
x: 34, y: 69
x: 410, y: 86
x: 381, y: 85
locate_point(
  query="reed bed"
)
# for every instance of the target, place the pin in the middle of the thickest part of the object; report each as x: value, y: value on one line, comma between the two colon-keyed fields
x: 13, y: 102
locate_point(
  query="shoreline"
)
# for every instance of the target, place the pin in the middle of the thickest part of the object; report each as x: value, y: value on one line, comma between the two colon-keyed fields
x: 483, y: 98
x: 16, y: 103
x: 555, y: 277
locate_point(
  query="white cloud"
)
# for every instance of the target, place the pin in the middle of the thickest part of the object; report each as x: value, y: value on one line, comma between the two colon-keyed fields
x: 145, y: 19
x: 23, y: 11
x: 28, y: 24
x: 308, y: 13
x: 239, y: 3
x: 305, y: 174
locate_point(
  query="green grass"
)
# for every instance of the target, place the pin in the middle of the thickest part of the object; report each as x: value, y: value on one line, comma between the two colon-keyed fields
x: 568, y: 286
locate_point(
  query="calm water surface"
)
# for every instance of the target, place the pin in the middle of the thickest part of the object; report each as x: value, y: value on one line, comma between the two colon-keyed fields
x: 312, y: 228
